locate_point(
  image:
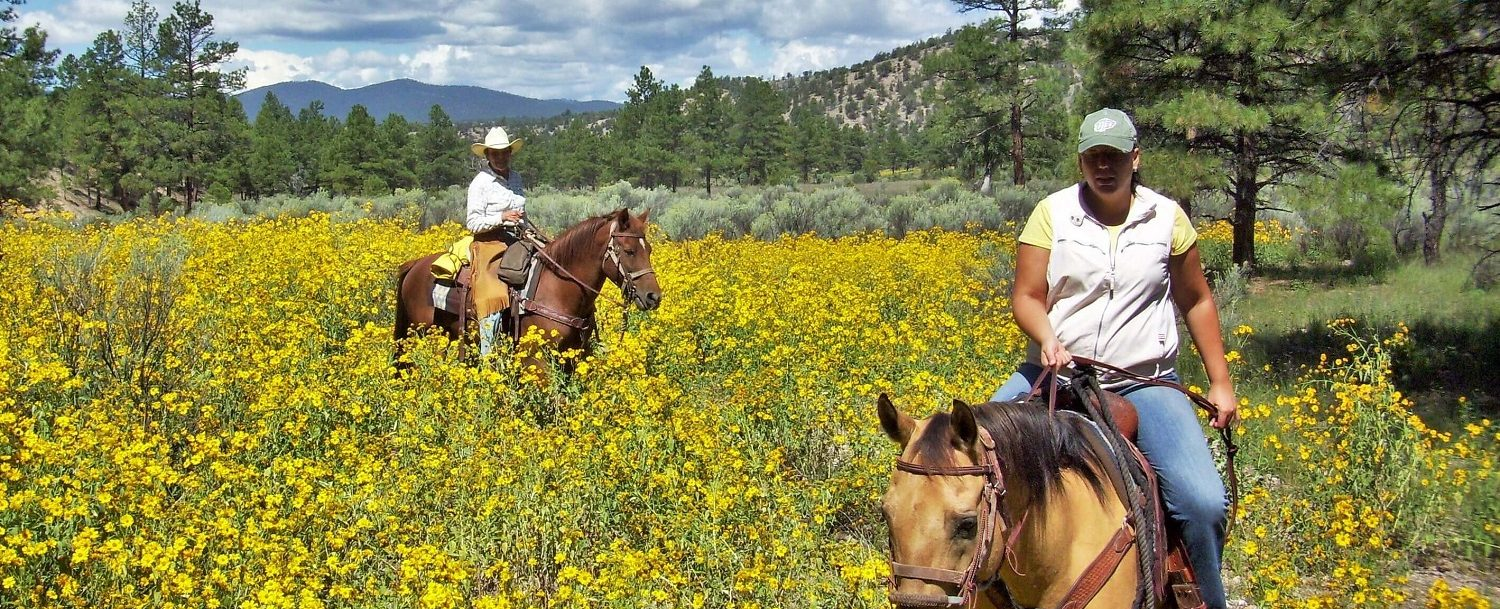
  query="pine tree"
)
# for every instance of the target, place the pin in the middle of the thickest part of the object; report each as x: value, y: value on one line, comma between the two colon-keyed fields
x: 649, y: 131
x: 760, y: 131
x: 197, y: 94
x: 272, y: 160
x: 1227, y: 80
x: 579, y: 158
x: 347, y: 158
x: 27, y: 144
x: 313, y: 134
x: 708, y: 109
x: 992, y: 94
x: 96, y: 128
x: 440, y: 152
x: 397, y: 156
x: 1427, y: 69
x: 810, y: 141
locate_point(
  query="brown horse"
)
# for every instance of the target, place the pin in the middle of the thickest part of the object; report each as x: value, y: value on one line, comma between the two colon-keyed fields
x: 1006, y: 498
x: 575, y: 265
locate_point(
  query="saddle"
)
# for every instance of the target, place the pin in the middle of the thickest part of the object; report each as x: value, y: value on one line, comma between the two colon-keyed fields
x: 1170, y: 567
x: 478, y: 278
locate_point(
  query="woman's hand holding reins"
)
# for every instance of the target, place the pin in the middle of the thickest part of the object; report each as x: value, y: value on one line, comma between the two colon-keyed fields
x: 1055, y: 357
x: 1222, y: 395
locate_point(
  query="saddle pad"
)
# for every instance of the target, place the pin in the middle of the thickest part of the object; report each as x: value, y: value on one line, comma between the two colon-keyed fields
x: 448, y: 297
x: 453, y: 296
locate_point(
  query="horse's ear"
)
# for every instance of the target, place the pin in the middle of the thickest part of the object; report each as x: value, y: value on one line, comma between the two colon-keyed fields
x: 644, y: 215
x: 622, y: 216
x: 898, y: 425
x: 965, y: 428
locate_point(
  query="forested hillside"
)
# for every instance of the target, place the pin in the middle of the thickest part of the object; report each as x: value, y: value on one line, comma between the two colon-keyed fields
x: 412, y: 100
x: 1245, y: 109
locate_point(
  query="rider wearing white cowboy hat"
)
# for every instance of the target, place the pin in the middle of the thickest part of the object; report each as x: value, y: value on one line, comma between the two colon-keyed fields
x: 495, y: 195
x: 495, y: 211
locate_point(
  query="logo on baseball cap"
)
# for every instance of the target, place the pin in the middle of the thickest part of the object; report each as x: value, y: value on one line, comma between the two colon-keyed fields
x: 1107, y: 127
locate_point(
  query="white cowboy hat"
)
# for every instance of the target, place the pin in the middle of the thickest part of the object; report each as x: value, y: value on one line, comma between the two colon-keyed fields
x: 497, y: 139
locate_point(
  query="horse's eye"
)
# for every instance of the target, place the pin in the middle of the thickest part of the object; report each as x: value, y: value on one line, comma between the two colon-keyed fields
x: 629, y: 252
x: 965, y: 527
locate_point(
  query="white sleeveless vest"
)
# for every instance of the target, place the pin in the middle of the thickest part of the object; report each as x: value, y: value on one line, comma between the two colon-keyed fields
x: 1113, y: 304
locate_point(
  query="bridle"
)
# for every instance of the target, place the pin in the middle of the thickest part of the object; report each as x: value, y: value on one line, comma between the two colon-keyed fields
x: 968, y: 580
x: 612, y: 253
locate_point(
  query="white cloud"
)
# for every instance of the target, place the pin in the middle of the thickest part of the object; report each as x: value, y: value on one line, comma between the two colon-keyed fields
x: 270, y: 67
x: 581, y: 49
x: 796, y: 56
x: 438, y: 63
x: 76, y: 23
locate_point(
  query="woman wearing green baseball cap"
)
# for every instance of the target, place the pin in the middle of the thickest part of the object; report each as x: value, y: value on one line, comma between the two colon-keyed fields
x: 1102, y: 267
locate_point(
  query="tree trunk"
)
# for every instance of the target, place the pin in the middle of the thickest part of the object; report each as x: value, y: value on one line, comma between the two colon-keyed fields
x: 1433, y: 221
x: 1245, y: 191
x: 1017, y: 152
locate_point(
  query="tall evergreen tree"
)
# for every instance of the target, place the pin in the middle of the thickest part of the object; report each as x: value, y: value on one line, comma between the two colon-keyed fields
x: 810, y: 141
x: 272, y: 159
x: 990, y: 80
x: 1223, y: 79
x: 314, y: 133
x: 708, y: 120
x: 141, y: 39
x: 1429, y: 64
x: 228, y: 167
x: 441, y: 153
x: 579, y: 159
x: 648, y: 131
x: 673, y: 134
x: 760, y: 131
x: 349, y: 159
x: 198, y: 94
x: 27, y: 144
x: 398, y: 160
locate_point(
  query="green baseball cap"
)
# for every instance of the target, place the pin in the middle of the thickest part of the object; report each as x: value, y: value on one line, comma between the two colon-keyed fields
x: 1107, y: 127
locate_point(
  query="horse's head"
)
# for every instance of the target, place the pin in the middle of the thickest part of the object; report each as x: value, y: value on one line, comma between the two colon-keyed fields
x: 943, y: 506
x: 627, y: 259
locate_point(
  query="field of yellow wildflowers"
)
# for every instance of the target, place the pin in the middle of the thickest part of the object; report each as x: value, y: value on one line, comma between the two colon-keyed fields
x: 200, y: 414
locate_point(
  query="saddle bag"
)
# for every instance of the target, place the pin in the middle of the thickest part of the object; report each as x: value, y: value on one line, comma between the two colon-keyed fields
x: 515, y: 262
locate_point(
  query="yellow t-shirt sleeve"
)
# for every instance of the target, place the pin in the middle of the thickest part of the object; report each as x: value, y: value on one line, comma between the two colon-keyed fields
x: 1183, y: 233
x: 1038, y: 230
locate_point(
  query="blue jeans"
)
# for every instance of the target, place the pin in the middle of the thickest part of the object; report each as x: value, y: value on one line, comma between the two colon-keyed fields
x: 489, y: 327
x: 1173, y: 441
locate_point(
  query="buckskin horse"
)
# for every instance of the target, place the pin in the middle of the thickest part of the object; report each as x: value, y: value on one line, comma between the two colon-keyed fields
x: 1016, y: 504
x: 575, y: 265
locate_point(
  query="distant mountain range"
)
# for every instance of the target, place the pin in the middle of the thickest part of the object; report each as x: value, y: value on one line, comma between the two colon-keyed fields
x: 414, y: 100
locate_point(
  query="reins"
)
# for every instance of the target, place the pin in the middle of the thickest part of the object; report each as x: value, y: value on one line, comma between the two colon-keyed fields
x: 967, y: 580
x: 1226, y: 433
x: 611, y: 253
x: 1097, y: 574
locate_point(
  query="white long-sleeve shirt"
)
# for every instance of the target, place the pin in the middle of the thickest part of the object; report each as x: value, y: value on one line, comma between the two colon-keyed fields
x: 490, y: 196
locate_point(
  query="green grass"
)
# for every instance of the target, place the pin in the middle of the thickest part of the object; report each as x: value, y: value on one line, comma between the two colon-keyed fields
x: 1455, y: 330
x: 1412, y: 292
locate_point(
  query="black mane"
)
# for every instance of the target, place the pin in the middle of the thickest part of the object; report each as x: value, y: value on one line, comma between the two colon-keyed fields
x: 1033, y: 446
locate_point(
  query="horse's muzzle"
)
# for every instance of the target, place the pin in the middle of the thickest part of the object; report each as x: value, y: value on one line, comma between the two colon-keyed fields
x: 648, y: 301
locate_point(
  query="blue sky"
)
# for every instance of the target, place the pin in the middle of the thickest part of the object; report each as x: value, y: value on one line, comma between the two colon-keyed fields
x: 578, y: 49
